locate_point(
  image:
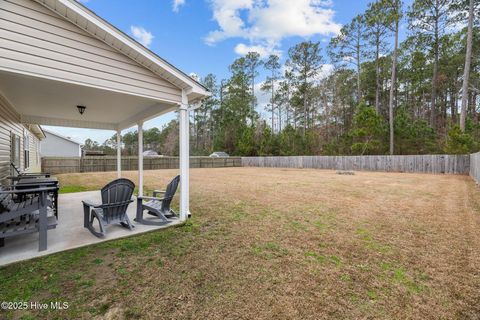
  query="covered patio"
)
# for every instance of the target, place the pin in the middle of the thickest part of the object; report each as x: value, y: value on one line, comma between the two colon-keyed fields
x: 51, y: 102
x: 70, y: 233
x: 62, y: 65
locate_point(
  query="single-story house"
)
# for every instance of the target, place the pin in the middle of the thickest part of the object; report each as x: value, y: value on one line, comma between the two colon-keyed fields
x: 62, y: 65
x: 57, y: 145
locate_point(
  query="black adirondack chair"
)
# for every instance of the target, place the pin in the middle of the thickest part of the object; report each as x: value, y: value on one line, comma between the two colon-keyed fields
x: 30, y: 215
x: 158, y: 206
x: 116, y: 196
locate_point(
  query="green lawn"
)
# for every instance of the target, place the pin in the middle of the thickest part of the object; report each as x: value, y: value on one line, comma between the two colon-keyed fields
x: 73, y: 188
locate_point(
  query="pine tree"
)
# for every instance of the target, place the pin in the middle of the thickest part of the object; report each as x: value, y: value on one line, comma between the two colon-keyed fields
x: 273, y: 65
x: 204, y: 115
x: 395, y: 9
x: 468, y: 62
x: 378, y: 18
x: 306, y: 62
x: 349, y: 47
x: 252, y: 63
x: 430, y: 19
x: 369, y: 131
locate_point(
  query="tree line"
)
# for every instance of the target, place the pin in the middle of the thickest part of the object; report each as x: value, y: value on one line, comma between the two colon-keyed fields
x: 162, y: 140
x: 381, y: 96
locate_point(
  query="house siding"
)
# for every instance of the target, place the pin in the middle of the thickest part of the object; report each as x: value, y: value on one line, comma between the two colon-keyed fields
x: 36, y: 41
x: 54, y: 146
x: 9, y: 123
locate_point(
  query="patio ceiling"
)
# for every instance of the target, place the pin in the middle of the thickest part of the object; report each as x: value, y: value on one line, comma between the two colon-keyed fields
x: 50, y: 102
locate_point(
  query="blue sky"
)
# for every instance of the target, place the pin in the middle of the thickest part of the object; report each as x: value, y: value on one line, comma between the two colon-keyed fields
x: 205, y: 36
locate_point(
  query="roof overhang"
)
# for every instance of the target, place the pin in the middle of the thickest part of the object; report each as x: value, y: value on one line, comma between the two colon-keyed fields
x: 37, y: 131
x: 87, y: 20
x: 43, y: 100
x: 50, y: 102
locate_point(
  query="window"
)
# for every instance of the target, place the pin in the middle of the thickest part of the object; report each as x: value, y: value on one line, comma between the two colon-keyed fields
x: 15, y: 150
x: 26, y: 150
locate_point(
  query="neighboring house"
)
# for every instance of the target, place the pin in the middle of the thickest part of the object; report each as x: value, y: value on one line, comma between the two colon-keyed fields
x: 56, y: 145
x: 19, y: 144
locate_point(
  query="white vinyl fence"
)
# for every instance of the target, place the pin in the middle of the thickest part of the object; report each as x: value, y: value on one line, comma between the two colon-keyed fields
x: 437, y: 164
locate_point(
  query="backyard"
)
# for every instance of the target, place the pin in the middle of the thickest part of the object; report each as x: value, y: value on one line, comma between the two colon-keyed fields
x: 275, y: 244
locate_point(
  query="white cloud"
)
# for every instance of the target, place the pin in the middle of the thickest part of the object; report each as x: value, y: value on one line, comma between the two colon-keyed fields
x: 326, y: 70
x: 177, y: 4
x: 141, y: 35
x: 263, y: 97
x: 194, y: 76
x: 264, y: 23
x: 264, y: 51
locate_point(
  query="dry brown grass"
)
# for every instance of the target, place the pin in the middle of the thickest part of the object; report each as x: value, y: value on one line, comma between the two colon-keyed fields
x: 297, y: 244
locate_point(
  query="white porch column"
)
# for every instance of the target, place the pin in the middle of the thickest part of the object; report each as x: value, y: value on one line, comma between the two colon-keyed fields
x: 140, y: 158
x: 119, y: 154
x: 184, y: 158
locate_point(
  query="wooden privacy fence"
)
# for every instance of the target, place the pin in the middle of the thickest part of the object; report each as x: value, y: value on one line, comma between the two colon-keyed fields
x: 475, y: 166
x: 56, y: 165
x: 448, y: 164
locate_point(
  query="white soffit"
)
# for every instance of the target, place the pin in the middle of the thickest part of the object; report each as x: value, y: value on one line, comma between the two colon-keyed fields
x: 51, y: 102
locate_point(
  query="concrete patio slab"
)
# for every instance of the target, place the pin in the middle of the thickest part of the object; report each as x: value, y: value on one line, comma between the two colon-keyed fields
x: 69, y: 233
